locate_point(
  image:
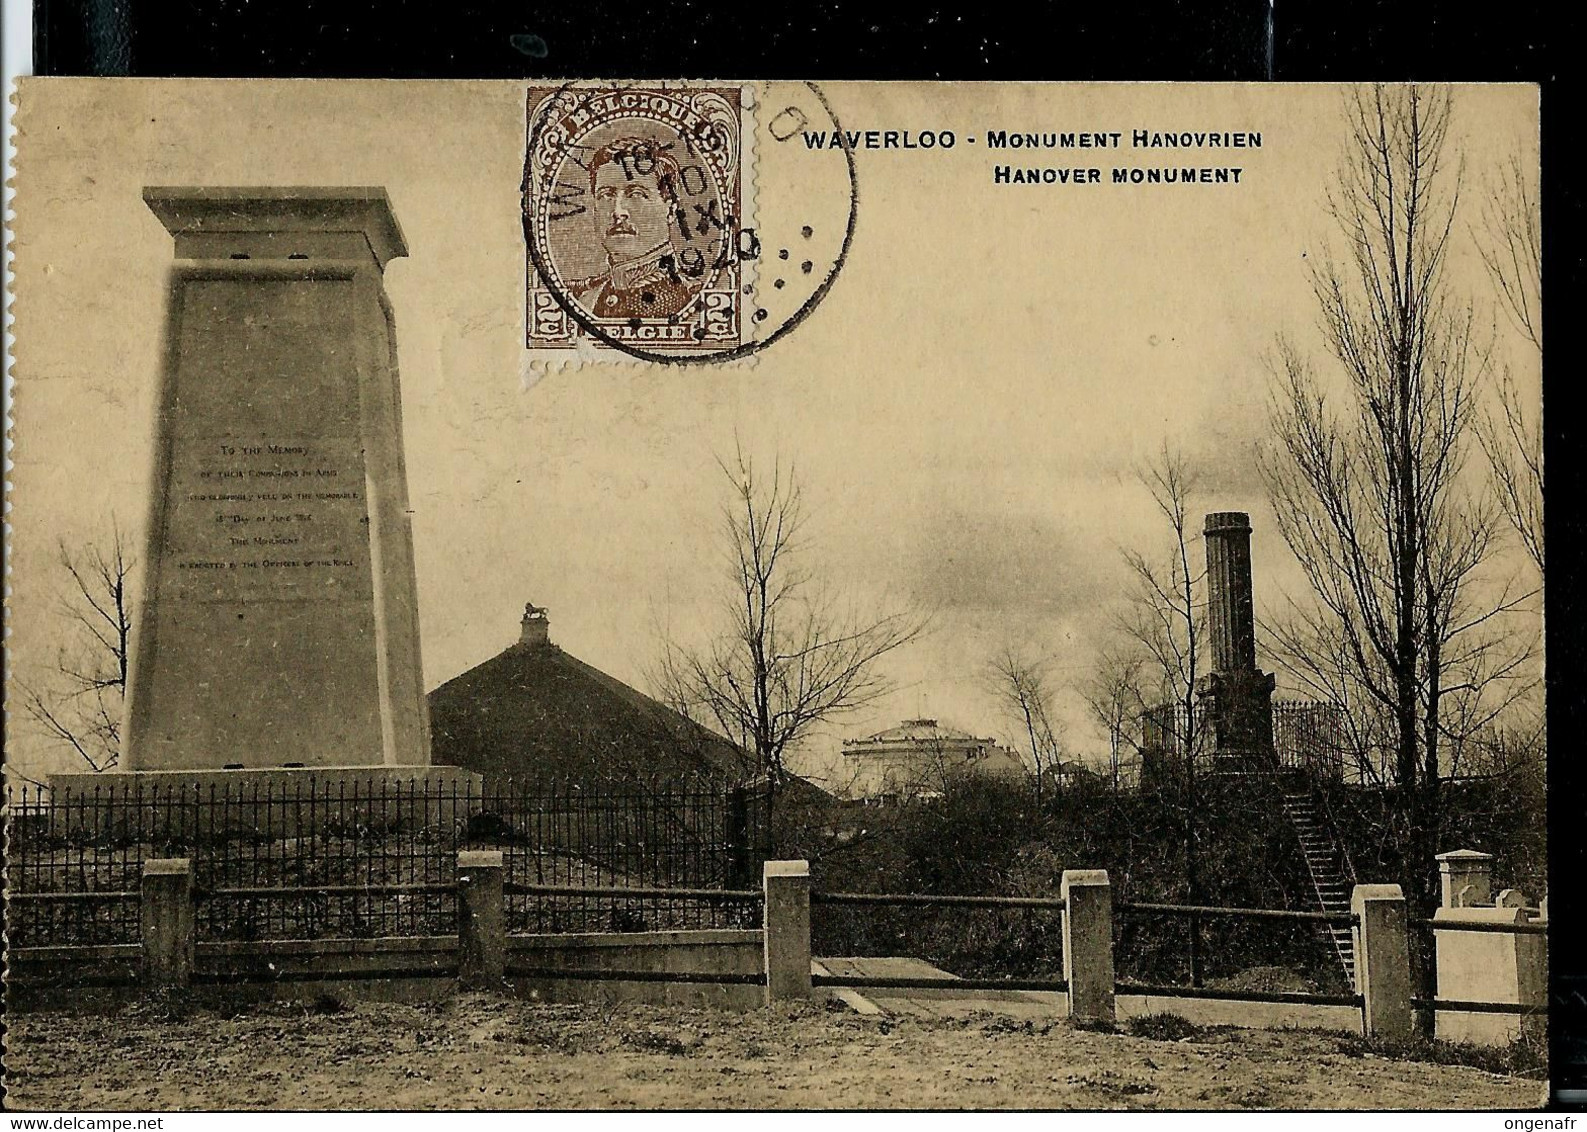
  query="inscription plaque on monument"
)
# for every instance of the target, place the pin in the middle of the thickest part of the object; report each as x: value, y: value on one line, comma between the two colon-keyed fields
x: 279, y: 625
x: 271, y: 519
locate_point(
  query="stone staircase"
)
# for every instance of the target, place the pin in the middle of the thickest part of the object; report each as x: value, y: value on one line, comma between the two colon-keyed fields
x: 1332, y: 874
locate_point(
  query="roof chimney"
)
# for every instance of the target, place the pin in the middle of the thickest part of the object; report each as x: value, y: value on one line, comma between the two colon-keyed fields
x: 536, y: 625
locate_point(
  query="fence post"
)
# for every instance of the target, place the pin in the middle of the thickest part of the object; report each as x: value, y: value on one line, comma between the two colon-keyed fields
x: 786, y: 885
x: 1383, y: 960
x: 481, y: 919
x: 167, y: 921
x: 1088, y: 943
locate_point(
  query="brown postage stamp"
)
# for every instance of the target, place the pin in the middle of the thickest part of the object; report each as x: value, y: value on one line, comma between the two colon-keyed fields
x: 634, y: 218
x: 645, y: 236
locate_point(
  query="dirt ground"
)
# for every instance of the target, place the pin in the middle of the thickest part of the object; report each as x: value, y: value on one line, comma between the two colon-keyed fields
x: 479, y: 1052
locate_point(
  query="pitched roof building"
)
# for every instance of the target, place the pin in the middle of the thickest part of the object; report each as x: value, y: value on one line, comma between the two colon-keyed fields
x: 533, y: 711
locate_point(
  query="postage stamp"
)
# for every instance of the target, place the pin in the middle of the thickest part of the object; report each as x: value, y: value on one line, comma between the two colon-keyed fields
x: 634, y: 217
x: 678, y: 222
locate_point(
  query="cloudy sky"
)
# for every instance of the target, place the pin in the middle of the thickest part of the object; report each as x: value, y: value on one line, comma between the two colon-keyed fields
x: 964, y: 409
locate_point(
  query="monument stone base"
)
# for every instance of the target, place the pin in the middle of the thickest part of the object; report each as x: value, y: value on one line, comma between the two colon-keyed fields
x: 275, y: 801
x: 1238, y: 707
x: 1237, y: 761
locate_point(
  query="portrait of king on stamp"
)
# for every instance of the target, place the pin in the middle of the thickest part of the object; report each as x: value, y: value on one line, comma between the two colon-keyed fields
x: 634, y: 217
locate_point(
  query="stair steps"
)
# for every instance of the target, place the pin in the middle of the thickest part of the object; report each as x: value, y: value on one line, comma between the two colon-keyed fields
x: 1330, y: 873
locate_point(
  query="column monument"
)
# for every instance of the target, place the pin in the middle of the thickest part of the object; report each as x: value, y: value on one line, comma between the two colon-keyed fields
x: 1236, y: 696
x: 278, y: 634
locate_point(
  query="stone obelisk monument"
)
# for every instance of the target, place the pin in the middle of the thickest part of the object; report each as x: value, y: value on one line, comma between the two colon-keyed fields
x: 1236, y: 696
x: 278, y: 633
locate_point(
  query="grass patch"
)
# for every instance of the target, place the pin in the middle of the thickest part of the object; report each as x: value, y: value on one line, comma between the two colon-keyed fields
x: 1524, y: 1057
x: 326, y: 1003
x: 1527, y: 1056
x: 1162, y: 1027
x: 652, y: 1041
x: 164, y: 1006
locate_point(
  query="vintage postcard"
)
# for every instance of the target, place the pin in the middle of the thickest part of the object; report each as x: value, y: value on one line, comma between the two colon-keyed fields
x: 737, y: 594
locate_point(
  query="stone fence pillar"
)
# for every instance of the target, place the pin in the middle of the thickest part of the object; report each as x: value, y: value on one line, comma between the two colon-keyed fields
x: 1088, y: 943
x: 787, y: 930
x: 481, y: 919
x: 167, y: 921
x: 1383, y: 960
x: 1466, y: 878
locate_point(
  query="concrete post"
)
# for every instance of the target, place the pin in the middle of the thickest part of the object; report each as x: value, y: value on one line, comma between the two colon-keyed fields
x: 787, y: 929
x: 481, y: 919
x: 167, y: 916
x: 1466, y: 878
x: 1383, y: 960
x: 1088, y: 943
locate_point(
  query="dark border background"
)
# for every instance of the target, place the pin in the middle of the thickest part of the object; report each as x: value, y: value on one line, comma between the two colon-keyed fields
x: 814, y: 39
x: 1242, y: 40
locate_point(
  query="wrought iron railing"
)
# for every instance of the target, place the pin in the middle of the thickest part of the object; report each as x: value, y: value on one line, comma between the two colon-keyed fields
x: 314, y: 859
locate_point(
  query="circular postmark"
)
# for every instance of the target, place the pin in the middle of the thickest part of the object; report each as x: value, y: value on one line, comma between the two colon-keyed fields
x: 681, y: 223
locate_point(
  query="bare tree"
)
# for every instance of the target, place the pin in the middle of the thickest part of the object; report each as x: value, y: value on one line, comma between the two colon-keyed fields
x: 1311, y: 645
x: 1114, y: 694
x: 1513, y: 248
x: 933, y: 767
x: 1166, y: 613
x: 1512, y: 439
x: 1155, y: 660
x: 1511, y: 244
x: 1366, y: 473
x: 792, y: 653
x: 80, y: 706
x: 1024, y: 686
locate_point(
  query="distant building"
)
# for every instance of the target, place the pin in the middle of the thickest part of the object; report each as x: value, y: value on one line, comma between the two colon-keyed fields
x: 534, y: 712
x: 917, y: 758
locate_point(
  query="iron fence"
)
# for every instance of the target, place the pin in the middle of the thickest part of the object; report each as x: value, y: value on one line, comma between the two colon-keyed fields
x: 997, y: 942
x: 1246, y: 952
x: 66, y: 889
x: 312, y: 859
x: 1312, y: 737
x: 1307, y: 736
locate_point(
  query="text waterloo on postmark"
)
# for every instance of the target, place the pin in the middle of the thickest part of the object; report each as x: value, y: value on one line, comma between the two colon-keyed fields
x: 634, y: 218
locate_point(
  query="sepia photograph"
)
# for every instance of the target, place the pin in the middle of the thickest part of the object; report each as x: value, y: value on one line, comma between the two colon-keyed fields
x: 753, y: 594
